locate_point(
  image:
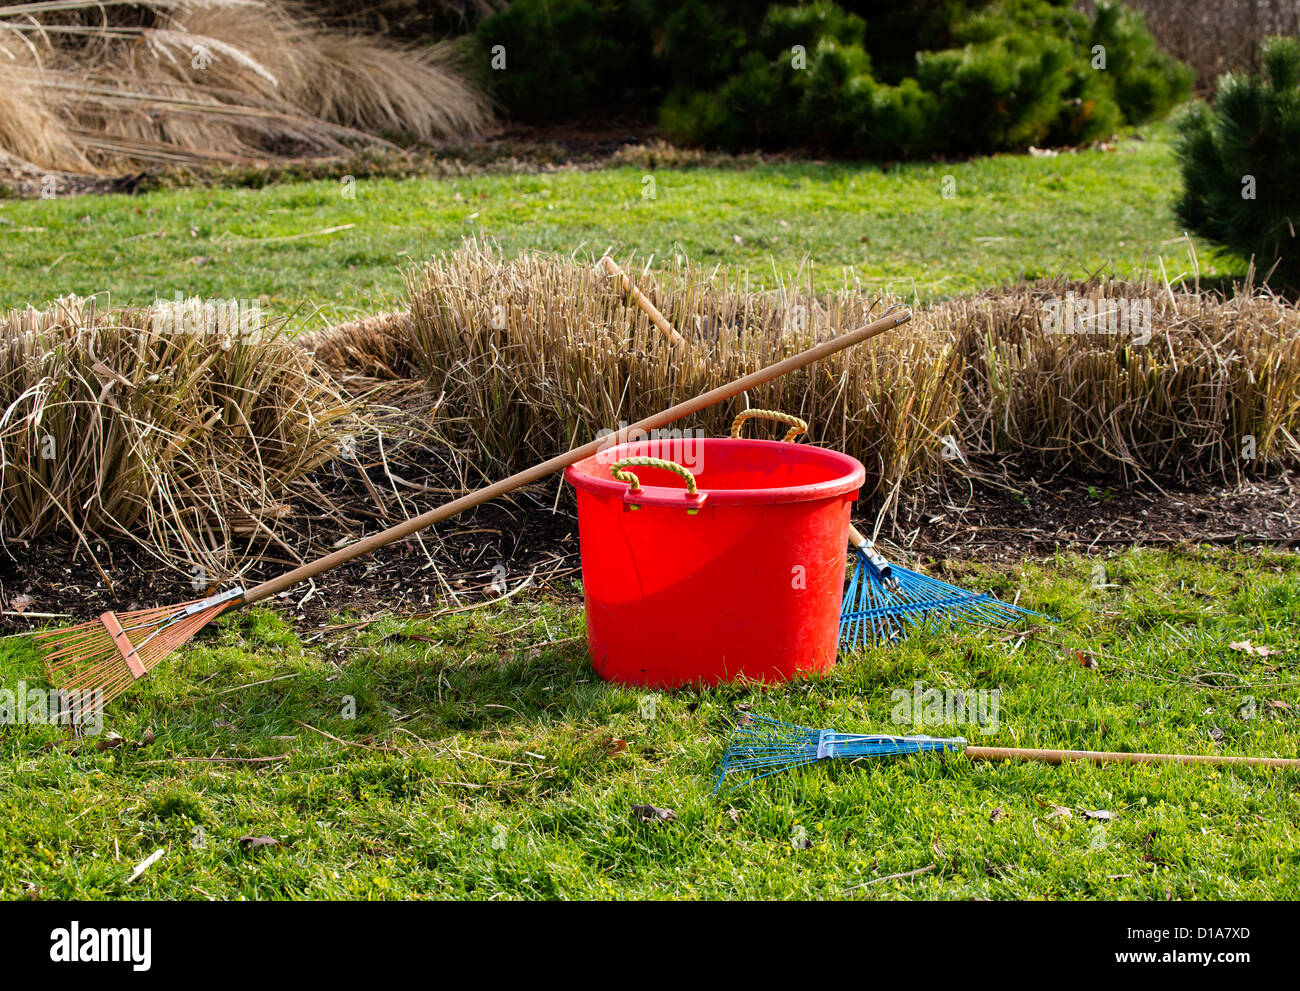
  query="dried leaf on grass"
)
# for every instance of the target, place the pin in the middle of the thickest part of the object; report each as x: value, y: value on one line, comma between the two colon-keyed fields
x: 1258, y: 650
x: 648, y: 813
x: 251, y: 842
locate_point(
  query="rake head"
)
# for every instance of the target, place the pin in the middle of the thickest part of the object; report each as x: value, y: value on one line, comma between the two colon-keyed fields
x: 883, y: 602
x: 761, y: 747
x: 109, y: 654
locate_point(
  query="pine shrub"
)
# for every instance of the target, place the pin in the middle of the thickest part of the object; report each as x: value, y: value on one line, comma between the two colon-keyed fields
x: 1240, y: 158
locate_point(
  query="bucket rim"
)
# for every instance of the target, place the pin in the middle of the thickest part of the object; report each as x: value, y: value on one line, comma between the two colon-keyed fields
x: 850, y: 479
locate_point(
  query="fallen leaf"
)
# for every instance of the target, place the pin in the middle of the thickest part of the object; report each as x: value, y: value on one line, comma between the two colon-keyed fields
x: 253, y: 842
x: 615, y: 745
x: 1216, y: 734
x: 108, y: 741
x: 648, y: 813
x: 144, y: 741
x: 1279, y: 705
x: 21, y: 603
x: 1259, y: 650
x: 1060, y: 811
x: 1102, y: 814
x: 1087, y: 660
x: 996, y: 815
x: 734, y: 814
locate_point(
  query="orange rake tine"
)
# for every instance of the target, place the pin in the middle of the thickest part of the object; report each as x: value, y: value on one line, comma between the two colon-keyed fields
x: 111, y: 653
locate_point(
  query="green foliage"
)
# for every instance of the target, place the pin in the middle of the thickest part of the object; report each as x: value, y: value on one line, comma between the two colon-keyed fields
x: 566, y: 57
x: 701, y: 42
x: 1147, y: 82
x: 998, y: 94
x: 1239, y: 161
x: 972, y: 76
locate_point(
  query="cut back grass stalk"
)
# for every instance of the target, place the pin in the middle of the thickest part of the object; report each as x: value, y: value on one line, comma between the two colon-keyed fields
x: 117, y: 422
x: 531, y: 353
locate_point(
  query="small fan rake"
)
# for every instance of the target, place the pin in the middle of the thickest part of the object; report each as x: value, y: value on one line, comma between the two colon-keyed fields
x: 883, y: 601
x: 760, y: 747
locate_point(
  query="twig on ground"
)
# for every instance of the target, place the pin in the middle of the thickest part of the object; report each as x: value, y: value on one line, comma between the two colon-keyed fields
x: 893, y: 877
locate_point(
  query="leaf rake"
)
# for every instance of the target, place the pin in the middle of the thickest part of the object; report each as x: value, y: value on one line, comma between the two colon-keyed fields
x: 761, y: 747
x: 883, y: 601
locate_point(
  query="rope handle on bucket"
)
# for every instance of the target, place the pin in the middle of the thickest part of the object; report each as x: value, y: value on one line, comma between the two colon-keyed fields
x: 617, y: 469
x: 796, y: 425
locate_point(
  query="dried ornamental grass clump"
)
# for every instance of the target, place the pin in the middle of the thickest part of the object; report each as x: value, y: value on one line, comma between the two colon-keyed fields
x: 1133, y: 380
x: 183, y: 426
x: 374, y: 347
x: 533, y: 352
x: 91, y: 87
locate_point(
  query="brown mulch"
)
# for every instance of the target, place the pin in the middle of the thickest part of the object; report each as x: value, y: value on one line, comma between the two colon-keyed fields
x: 993, y: 523
x: 496, y: 547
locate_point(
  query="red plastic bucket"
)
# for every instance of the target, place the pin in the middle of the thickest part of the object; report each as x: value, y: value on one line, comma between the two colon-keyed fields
x: 744, y: 578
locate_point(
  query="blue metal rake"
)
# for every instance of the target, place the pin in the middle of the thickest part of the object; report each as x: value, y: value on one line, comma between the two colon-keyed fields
x: 883, y: 602
x: 763, y: 747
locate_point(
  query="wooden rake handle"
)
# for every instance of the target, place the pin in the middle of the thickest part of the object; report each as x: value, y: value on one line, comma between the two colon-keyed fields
x: 642, y: 301
x: 1111, y: 757
x: 540, y: 471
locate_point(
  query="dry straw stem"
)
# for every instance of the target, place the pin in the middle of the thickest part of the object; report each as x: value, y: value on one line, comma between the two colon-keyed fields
x: 528, y: 353
x: 534, y: 351
x: 182, y: 437
x: 377, y: 347
x: 1215, y: 372
x: 106, y: 86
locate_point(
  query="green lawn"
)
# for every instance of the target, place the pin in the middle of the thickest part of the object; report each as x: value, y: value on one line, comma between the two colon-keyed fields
x: 1008, y: 216
x: 483, y: 762
x: 484, y: 759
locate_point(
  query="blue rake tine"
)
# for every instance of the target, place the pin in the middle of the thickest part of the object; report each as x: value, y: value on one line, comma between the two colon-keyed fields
x: 884, y: 602
x: 763, y: 744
